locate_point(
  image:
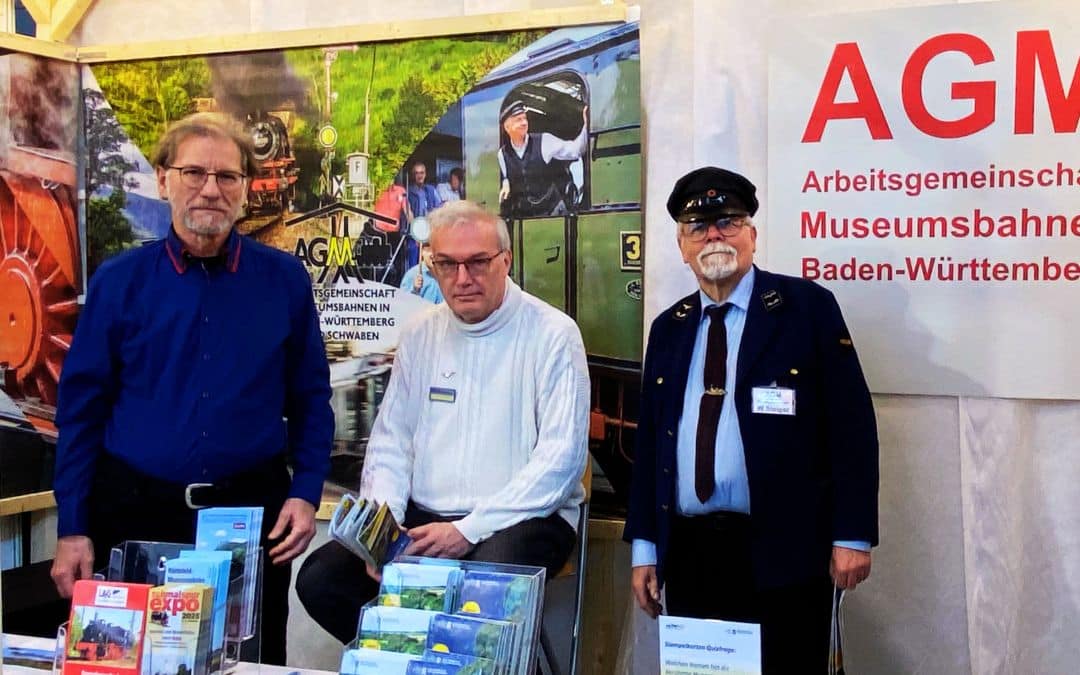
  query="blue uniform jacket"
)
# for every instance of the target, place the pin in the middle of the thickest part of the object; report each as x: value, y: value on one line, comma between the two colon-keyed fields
x: 813, y: 476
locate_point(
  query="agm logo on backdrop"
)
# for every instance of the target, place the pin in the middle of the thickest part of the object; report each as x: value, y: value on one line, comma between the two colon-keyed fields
x: 342, y: 251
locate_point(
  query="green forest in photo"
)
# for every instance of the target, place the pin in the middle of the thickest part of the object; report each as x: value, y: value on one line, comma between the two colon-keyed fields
x: 412, y: 84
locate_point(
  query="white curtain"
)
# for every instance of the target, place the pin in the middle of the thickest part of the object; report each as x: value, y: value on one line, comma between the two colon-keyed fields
x: 1021, y: 511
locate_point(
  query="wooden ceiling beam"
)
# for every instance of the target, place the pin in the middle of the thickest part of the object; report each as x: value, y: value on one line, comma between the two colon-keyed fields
x: 66, y: 15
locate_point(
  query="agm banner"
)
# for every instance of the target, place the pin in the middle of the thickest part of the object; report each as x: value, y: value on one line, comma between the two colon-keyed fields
x: 924, y: 164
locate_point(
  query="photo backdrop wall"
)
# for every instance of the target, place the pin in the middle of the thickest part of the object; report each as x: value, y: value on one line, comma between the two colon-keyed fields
x: 341, y: 131
x: 40, y: 259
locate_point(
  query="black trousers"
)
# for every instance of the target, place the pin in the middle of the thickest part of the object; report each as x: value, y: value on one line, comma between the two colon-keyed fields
x: 128, y: 505
x: 333, y: 583
x: 709, y: 575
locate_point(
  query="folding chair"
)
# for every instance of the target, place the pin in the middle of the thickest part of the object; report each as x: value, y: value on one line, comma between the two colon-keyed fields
x: 573, y: 569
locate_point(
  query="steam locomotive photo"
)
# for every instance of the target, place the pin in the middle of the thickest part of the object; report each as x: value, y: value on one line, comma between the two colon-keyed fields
x: 103, y: 641
x: 273, y: 187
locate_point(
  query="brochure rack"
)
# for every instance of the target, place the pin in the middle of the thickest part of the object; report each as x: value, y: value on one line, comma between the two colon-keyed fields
x: 482, y: 617
x: 143, y: 562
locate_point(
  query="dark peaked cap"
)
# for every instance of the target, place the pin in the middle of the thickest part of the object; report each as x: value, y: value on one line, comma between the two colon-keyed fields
x: 710, y: 192
x: 514, y: 107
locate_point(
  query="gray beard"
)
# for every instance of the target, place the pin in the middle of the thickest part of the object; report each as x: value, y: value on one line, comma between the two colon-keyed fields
x: 212, y: 228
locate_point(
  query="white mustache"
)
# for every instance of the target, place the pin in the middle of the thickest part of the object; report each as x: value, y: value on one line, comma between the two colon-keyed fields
x: 714, y: 248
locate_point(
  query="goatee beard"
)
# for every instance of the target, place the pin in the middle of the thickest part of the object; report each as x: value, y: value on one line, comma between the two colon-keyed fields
x: 716, y: 268
x: 206, y: 228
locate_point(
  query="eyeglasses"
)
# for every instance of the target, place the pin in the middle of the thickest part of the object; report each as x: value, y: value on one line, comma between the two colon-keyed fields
x: 476, y: 267
x: 698, y: 230
x: 195, y: 177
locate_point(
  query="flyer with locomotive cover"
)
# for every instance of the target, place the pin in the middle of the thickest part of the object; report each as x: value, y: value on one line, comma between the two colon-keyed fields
x: 105, y: 632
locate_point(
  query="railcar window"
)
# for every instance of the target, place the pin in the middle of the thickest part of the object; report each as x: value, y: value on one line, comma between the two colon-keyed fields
x: 544, y: 147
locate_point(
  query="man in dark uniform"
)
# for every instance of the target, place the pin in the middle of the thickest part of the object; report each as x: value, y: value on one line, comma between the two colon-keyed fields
x: 534, y: 167
x: 755, y: 480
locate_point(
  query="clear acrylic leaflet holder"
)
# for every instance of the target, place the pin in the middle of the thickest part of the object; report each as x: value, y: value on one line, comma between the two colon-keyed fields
x: 143, y: 562
x: 525, y: 651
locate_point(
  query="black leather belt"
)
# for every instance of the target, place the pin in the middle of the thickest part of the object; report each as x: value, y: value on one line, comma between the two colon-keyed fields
x: 260, y: 485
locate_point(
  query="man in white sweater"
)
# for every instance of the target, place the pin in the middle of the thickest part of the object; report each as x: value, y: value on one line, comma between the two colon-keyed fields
x: 481, y: 438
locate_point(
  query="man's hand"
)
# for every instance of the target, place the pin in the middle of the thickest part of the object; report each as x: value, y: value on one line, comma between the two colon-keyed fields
x: 74, y: 560
x: 849, y: 567
x: 438, y: 540
x: 646, y: 589
x: 504, y: 191
x: 375, y: 574
x: 418, y: 281
x: 297, y: 517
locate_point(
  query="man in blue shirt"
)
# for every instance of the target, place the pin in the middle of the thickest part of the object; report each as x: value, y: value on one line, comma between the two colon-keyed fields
x: 418, y: 279
x: 755, y: 480
x: 197, y: 373
x: 423, y: 199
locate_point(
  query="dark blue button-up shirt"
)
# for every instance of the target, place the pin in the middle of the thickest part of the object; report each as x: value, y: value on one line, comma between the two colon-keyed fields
x: 193, y: 370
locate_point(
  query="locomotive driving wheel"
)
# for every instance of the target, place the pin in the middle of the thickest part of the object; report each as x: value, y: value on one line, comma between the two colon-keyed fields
x: 39, y: 265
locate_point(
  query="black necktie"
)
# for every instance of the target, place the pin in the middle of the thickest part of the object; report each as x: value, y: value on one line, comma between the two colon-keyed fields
x: 711, y: 402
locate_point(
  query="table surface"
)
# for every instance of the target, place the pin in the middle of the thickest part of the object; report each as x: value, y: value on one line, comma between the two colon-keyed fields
x: 27, y: 642
x: 35, y: 501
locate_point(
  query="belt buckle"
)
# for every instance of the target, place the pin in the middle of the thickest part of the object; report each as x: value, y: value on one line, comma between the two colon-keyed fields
x: 187, y: 494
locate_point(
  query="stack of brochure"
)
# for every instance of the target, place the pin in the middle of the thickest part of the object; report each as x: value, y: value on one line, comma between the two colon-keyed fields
x: 487, y: 641
x: 368, y: 529
x: 444, y: 617
x: 418, y: 586
x: 179, y: 629
x: 211, y: 568
x: 237, y: 530
x: 388, y: 640
x: 505, y: 597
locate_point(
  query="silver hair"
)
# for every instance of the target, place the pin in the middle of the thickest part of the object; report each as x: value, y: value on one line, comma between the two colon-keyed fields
x: 462, y: 212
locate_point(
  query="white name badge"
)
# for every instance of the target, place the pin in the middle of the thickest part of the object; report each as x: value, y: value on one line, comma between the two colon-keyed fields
x: 773, y: 401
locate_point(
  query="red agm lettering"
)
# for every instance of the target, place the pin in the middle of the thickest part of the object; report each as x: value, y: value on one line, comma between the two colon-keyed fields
x: 847, y: 58
x: 1033, y: 47
x: 1034, y: 53
x: 980, y: 93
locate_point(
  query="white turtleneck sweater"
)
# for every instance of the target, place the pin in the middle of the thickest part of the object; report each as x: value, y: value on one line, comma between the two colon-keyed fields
x: 513, y: 443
